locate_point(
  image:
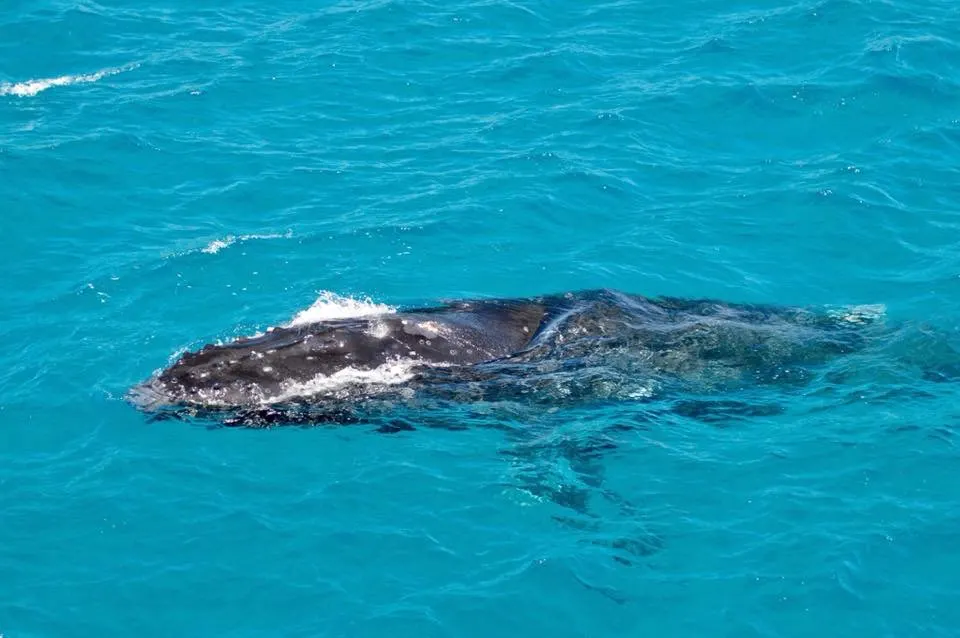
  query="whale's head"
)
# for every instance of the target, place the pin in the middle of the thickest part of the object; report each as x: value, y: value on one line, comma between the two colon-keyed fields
x: 336, y: 360
x: 263, y: 369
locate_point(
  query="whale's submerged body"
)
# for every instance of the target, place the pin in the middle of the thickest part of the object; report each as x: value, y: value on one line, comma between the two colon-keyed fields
x: 599, y: 344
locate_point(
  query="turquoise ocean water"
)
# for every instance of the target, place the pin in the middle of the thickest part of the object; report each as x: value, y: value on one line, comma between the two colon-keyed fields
x: 174, y: 173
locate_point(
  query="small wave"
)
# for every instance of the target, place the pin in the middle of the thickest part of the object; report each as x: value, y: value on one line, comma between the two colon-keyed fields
x: 219, y: 244
x: 330, y: 305
x: 31, y: 88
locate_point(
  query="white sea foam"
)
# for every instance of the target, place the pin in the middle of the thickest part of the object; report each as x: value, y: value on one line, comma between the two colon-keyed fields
x: 219, y: 244
x: 340, y: 384
x: 31, y: 88
x: 330, y: 305
x: 860, y: 314
x: 389, y: 374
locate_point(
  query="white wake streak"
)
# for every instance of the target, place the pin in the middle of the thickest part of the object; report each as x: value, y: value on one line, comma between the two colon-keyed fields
x: 31, y: 88
x: 340, y: 382
x: 219, y: 244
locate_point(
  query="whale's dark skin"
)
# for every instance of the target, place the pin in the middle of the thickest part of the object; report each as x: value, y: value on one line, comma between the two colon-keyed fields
x: 461, y: 334
x: 702, y: 340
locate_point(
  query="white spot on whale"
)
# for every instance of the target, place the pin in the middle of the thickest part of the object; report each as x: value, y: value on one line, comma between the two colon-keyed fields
x: 379, y: 330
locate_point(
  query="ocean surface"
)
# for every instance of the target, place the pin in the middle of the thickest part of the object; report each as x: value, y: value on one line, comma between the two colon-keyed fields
x: 177, y: 173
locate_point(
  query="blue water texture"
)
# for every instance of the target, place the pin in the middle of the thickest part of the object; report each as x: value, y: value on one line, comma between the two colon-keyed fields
x: 176, y: 173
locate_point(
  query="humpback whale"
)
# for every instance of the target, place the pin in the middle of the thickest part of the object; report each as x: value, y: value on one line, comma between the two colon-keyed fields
x: 598, y: 343
x: 510, y: 363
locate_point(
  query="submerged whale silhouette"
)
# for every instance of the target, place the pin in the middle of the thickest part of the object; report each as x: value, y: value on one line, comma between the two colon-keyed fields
x: 598, y: 343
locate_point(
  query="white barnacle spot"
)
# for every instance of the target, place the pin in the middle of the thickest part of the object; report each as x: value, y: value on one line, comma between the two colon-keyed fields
x: 267, y: 369
x: 340, y: 344
x: 310, y: 357
x: 271, y: 351
x: 453, y: 351
x: 412, y: 353
x: 429, y: 328
x: 379, y: 330
x: 428, y: 342
x: 526, y: 329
